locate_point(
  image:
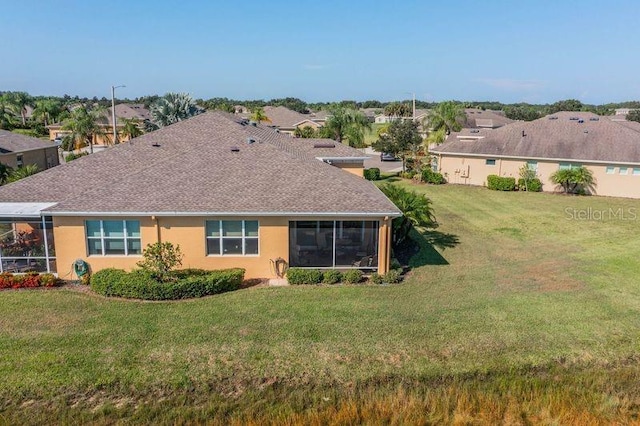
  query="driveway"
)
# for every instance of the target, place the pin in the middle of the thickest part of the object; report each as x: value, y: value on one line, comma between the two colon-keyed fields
x: 384, y: 166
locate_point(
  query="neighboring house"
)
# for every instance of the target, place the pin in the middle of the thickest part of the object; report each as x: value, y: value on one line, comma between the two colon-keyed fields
x: 230, y: 193
x: 485, y: 119
x: 320, y: 117
x: 123, y: 111
x: 623, y: 111
x: 562, y: 140
x: 19, y: 150
x: 287, y: 120
x: 371, y: 113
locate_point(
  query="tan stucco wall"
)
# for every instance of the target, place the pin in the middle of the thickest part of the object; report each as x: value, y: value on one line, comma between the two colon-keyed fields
x: 189, y: 233
x: 56, y: 131
x: 355, y: 168
x: 44, y: 158
x: 612, y: 185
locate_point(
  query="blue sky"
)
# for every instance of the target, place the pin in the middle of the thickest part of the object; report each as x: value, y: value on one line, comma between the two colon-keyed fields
x: 510, y: 51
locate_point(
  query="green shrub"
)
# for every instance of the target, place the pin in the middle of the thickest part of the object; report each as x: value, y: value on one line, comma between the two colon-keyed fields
x: 409, y: 174
x: 498, y: 183
x: 533, y: 185
x: 141, y: 284
x: 352, y: 276
x: 372, y: 173
x: 331, y: 276
x: 376, y: 278
x: 297, y: 276
x: 394, y: 276
x: 73, y: 156
x: 435, y: 178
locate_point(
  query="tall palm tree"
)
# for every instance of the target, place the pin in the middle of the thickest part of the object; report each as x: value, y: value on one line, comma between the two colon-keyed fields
x: 446, y: 115
x: 47, y: 110
x: 7, y: 114
x: 85, y: 125
x: 346, y: 124
x: 173, y: 107
x: 259, y: 115
x: 20, y: 101
x: 131, y: 128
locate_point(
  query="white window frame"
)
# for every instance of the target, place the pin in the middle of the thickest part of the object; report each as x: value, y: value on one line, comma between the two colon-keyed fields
x: 636, y: 171
x: 486, y: 162
x: 102, y: 237
x: 610, y: 170
x: 244, y: 238
x: 623, y: 170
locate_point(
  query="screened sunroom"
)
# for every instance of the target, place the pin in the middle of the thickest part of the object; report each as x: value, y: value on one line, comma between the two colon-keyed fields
x: 338, y: 244
x: 26, y: 238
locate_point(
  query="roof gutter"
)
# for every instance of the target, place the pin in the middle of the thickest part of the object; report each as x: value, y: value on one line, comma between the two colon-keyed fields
x: 515, y: 157
x: 192, y: 214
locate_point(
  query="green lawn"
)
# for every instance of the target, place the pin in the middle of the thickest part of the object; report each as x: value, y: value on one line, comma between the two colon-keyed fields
x: 370, y: 136
x: 521, y: 287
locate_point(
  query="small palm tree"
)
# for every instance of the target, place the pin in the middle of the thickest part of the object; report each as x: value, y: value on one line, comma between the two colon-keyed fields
x: 574, y: 180
x: 86, y: 125
x: 173, y: 107
x: 259, y: 116
x: 7, y: 114
x: 416, y: 210
x: 20, y: 101
x: 131, y: 128
x: 23, y: 172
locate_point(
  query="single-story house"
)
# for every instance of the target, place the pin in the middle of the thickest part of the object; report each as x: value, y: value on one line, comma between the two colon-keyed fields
x: 230, y: 192
x: 287, y: 120
x: 476, y: 118
x: 19, y: 150
x: 611, y: 150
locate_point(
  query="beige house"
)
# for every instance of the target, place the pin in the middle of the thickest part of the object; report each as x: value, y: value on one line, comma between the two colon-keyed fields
x: 18, y: 150
x: 230, y: 192
x: 287, y: 120
x: 611, y: 150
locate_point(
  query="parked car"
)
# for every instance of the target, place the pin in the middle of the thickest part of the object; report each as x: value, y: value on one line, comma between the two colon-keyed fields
x: 385, y: 156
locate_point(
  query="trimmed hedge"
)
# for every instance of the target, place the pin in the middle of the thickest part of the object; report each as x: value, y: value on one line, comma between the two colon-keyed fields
x: 498, y: 183
x: 331, y: 276
x: 534, y: 185
x: 352, y: 276
x: 298, y: 276
x: 29, y: 280
x: 429, y: 176
x: 372, y: 173
x: 188, y: 283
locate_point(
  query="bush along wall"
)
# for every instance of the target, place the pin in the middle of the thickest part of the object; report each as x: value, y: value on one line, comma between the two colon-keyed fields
x: 533, y: 185
x: 301, y: 276
x: 498, y: 183
x: 372, y: 173
x: 187, y: 284
x: 429, y: 176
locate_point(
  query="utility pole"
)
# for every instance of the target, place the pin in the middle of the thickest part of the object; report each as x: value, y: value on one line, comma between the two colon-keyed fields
x: 113, y: 112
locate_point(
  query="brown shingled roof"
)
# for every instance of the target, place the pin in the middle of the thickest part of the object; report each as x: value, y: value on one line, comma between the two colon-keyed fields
x: 190, y: 168
x: 14, y: 142
x: 579, y: 136
x: 284, y: 117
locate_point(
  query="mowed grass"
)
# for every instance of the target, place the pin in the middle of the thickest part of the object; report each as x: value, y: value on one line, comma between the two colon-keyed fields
x: 529, y: 313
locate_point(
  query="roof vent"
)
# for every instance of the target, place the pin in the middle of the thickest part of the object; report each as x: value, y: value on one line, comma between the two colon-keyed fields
x: 586, y: 131
x: 253, y: 123
x: 235, y: 149
x: 324, y: 145
x: 581, y: 121
x: 523, y: 134
x: 244, y: 122
x: 594, y: 119
x: 251, y: 140
x: 474, y: 131
x: 156, y: 144
x: 574, y: 118
x: 553, y: 117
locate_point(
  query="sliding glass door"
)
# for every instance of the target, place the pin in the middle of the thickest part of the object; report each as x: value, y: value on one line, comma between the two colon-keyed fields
x: 334, y: 244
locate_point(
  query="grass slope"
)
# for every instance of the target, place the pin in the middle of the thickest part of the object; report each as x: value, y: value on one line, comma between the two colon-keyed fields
x: 523, y: 287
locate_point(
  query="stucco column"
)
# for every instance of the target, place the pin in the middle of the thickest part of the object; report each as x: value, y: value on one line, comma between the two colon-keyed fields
x: 384, y: 247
